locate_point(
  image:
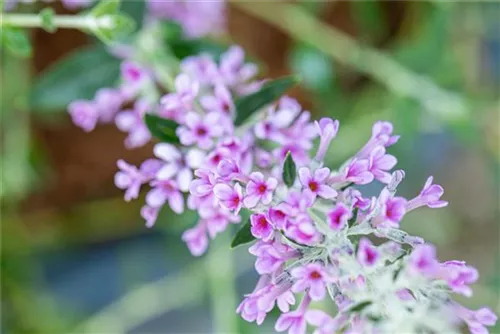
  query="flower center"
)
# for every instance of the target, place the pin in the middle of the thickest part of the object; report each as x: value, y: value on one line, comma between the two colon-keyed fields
x: 315, y: 275
x: 201, y: 131
x: 262, y: 188
x: 314, y: 186
x: 262, y: 222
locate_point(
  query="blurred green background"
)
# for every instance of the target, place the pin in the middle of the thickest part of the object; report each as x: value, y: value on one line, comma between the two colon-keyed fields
x: 77, y: 259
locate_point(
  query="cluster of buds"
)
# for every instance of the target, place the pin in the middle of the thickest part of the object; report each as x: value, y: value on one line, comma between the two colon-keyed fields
x: 315, y: 234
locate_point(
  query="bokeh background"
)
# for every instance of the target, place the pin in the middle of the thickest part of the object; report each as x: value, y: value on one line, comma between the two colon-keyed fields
x: 77, y: 259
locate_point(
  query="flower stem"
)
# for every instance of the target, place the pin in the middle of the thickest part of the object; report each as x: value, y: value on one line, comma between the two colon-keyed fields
x: 80, y: 22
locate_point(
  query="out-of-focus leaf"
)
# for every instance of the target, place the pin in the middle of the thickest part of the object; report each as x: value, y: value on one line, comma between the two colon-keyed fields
x: 369, y: 19
x: 183, y: 48
x: 120, y: 24
x: 134, y: 9
x: 289, y: 170
x: 77, y: 76
x: 313, y: 66
x: 269, y: 92
x: 47, y: 16
x: 243, y: 236
x: 16, y: 41
x: 105, y: 7
x: 162, y: 128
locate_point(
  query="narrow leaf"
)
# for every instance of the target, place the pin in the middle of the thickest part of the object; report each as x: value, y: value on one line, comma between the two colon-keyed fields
x: 359, y: 307
x: 162, y: 128
x: 269, y: 92
x: 77, y: 76
x: 289, y: 170
x: 243, y: 236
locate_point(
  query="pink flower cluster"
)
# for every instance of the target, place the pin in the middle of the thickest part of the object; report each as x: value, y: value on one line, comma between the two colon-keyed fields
x: 317, y: 237
x: 197, y: 18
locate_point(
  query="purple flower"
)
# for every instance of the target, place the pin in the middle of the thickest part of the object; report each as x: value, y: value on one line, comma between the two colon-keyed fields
x: 381, y: 135
x: 221, y: 101
x: 430, y: 196
x: 178, y: 164
x: 84, y: 114
x: 271, y: 256
x: 196, y: 239
x: 261, y: 227
x: 339, y: 216
x: 367, y: 254
x: 233, y: 69
x: 203, y: 186
x: 294, y: 321
x: 278, y: 120
x: 259, y: 190
x: 197, y: 19
x: 200, y: 131
x: 134, y: 77
x: 230, y: 197
x: 423, y: 260
x: 277, y: 216
x: 131, y: 179
x: 108, y: 101
x: 317, y: 183
x: 313, y: 277
x: 458, y: 276
x: 202, y: 68
x: 476, y: 320
x: 380, y: 163
x: 165, y: 191
x: 150, y: 215
x: 324, y: 323
x: 303, y: 231
x: 132, y: 121
x: 356, y: 172
x: 327, y: 129
x: 392, y: 210
x: 228, y: 169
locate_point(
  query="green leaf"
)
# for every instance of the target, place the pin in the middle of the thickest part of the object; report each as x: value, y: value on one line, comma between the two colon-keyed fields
x: 182, y: 48
x: 354, y: 217
x: 359, y: 307
x: 77, y: 76
x: 47, y: 16
x: 16, y: 41
x: 105, y: 7
x: 162, y: 128
x: 289, y: 170
x: 269, y: 92
x: 314, y: 67
x: 243, y: 236
x: 121, y: 26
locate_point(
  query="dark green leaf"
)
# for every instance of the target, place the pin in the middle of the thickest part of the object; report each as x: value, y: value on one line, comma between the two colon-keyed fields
x: 269, y: 92
x: 289, y: 170
x: 243, y: 236
x: 354, y: 217
x: 359, y: 307
x: 16, y: 41
x: 171, y: 31
x: 182, y: 48
x: 162, y: 128
x: 47, y: 16
x: 77, y: 76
